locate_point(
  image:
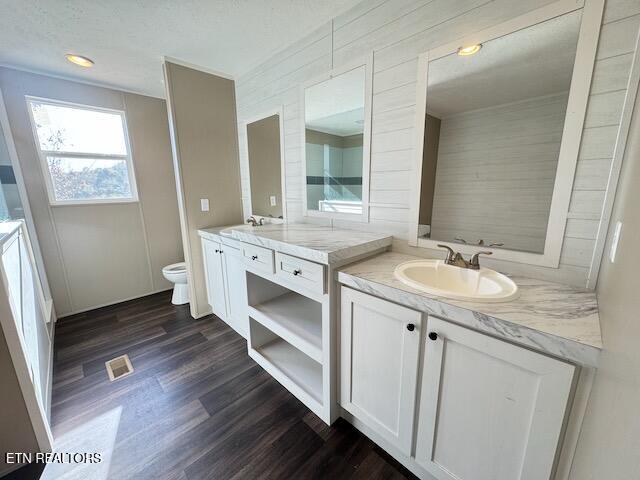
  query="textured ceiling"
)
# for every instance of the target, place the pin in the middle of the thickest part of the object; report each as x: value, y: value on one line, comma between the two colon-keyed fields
x: 128, y: 38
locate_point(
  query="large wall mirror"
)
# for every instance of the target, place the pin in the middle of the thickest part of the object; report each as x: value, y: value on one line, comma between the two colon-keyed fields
x: 336, y: 137
x: 264, y: 149
x: 502, y: 126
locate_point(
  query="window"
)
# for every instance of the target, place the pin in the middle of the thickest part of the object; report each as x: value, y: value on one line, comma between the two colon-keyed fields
x: 84, y: 152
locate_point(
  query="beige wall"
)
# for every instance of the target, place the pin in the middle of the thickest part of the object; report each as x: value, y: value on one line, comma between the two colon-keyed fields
x: 397, y: 31
x: 429, y: 165
x: 263, y: 137
x: 609, y: 444
x: 205, y: 143
x: 101, y: 254
x: 16, y: 432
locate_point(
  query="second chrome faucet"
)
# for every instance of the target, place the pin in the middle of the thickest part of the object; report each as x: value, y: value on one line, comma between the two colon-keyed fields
x: 253, y: 222
x: 456, y: 259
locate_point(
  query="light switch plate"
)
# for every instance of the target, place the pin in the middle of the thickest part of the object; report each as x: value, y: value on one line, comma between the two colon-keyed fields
x: 614, y: 241
x: 204, y: 204
x: 273, y: 201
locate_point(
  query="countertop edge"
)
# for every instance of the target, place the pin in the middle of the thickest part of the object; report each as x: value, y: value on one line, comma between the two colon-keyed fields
x: 304, y: 252
x: 571, y: 350
x: 284, y: 247
x: 366, y: 247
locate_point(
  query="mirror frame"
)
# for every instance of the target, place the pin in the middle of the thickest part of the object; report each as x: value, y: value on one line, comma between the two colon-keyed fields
x: 571, y: 135
x: 367, y: 62
x: 279, y: 110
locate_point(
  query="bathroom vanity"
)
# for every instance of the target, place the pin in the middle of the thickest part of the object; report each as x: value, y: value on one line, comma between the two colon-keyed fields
x: 273, y: 284
x: 450, y: 388
x: 464, y: 390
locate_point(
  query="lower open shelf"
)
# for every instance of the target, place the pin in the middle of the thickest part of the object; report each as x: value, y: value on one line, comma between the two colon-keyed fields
x: 301, y: 375
x: 295, y: 318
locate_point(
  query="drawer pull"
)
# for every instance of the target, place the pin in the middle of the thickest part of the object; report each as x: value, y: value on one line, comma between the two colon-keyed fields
x: 297, y: 272
x: 254, y: 257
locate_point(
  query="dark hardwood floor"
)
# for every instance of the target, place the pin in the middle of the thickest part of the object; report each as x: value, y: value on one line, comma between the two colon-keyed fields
x: 196, y: 406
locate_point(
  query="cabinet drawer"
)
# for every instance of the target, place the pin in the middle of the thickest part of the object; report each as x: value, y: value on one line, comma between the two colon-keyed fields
x: 258, y: 258
x: 308, y: 275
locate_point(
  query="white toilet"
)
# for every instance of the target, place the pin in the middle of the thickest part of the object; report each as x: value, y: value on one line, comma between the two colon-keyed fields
x: 177, y: 273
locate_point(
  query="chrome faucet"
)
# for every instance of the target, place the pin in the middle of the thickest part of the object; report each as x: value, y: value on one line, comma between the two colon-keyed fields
x: 253, y: 222
x: 457, y: 260
x: 480, y: 242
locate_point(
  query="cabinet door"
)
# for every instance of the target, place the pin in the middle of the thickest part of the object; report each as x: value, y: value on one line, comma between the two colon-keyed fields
x: 488, y: 410
x: 379, y: 345
x: 236, y: 288
x: 213, y: 267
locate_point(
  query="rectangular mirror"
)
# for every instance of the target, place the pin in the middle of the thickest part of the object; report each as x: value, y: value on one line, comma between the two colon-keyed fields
x: 495, y: 136
x: 336, y: 144
x: 264, y: 148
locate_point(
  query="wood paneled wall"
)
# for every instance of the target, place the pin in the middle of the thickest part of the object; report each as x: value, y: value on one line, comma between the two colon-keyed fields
x: 398, y: 31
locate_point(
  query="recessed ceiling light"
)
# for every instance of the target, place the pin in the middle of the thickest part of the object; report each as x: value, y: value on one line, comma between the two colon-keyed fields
x: 79, y: 60
x: 470, y: 50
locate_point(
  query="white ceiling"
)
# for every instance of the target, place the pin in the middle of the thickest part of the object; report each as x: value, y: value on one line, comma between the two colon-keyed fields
x: 128, y: 38
x: 532, y: 62
x: 336, y: 106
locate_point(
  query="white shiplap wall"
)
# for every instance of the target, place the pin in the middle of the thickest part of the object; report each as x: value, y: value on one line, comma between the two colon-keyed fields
x: 495, y: 173
x: 397, y: 31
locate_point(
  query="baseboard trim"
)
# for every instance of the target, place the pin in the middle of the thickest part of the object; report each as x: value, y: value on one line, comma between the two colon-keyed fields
x: 115, y: 302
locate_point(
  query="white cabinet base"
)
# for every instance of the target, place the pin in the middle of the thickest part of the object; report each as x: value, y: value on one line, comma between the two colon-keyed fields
x: 379, y: 346
x: 225, y: 282
x: 485, y: 409
x: 489, y: 410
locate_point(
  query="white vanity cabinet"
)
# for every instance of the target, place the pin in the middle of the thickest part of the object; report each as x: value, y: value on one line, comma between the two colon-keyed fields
x: 489, y: 410
x: 214, y: 275
x: 379, y: 352
x: 226, y: 287
x: 235, y: 288
x: 453, y: 402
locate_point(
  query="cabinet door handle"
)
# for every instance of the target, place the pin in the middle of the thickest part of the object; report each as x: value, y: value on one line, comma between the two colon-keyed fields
x: 433, y: 336
x: 254, y: 257
x: 297, y: 272
x: 217, y: 251
x: 220, y: 251
x: 411, y: 327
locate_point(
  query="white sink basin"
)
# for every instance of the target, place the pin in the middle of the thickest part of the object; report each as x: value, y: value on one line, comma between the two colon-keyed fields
x: 437, y: 278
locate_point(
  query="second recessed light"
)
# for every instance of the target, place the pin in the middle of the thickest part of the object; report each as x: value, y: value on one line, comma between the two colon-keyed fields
x: 79, y: 60
x: 470, y: 50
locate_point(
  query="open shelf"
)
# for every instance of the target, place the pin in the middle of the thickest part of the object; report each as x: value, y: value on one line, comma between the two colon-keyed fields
x: 296, y: 319
x: 301, y: 375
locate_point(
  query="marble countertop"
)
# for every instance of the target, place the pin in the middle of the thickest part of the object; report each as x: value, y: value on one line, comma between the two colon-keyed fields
x: 558, y: 319
x: 321, y: 244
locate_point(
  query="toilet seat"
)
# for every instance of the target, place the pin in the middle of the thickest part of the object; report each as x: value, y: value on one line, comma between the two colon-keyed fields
x: 180, y: 267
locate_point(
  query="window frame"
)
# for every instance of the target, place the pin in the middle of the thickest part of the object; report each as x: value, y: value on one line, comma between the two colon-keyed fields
x: 43, y: 154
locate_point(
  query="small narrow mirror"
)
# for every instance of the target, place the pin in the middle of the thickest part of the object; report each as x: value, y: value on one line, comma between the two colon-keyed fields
x: 334, y: 143
x: 263, y: 143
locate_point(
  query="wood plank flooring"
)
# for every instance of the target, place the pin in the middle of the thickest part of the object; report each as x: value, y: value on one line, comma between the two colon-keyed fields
x: 196, y: 406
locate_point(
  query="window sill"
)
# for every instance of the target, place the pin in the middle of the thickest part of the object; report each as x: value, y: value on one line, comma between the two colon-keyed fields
x: 84, y: 203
